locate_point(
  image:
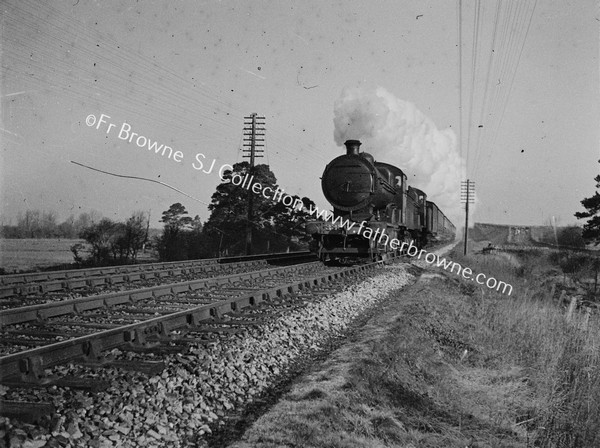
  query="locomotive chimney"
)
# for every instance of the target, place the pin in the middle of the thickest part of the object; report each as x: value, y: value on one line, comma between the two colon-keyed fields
x: 352, y: 147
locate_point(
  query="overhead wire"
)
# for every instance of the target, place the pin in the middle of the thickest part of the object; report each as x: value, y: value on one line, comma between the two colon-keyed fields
x: 83, y: 93
x: 188, y: 106
x: 514, y: 72
x: 511, y: 71
x: 460, y: 79
x: 138, y: 59
x: 506, y: 61
x: 483, y: 118
x: 506, y: 36
x: 96, y: 55
x: 475, y: 50
x: 512, y: 23
x: 152, y: 67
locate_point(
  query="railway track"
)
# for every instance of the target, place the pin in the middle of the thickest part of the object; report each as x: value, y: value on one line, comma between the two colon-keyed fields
x: 36, y: 340
x: 28, y: 289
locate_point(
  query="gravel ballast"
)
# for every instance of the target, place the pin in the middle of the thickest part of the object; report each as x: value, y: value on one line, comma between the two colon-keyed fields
x: 197, y: 389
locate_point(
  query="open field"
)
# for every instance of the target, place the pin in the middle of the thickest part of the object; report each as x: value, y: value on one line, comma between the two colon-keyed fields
x: 30, y: 254
x: 19, y: 255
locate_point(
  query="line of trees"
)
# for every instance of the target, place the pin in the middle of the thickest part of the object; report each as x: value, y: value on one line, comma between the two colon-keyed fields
x: 274, y: 226
x: 114, y: 242
x: 108, y: 241
x: 591, y: 229
x: 182, y: 237
x: 590, y: 234
x: 44, y: 224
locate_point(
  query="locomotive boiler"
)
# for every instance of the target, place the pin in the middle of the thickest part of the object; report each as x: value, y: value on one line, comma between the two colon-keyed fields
x: 372, y: 204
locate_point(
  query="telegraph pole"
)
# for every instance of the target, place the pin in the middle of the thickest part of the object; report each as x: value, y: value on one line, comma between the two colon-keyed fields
x: 467, y: 196
x: 253, y: 142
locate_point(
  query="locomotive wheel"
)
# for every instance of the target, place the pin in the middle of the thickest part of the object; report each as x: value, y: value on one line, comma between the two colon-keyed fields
x: 408, y: 240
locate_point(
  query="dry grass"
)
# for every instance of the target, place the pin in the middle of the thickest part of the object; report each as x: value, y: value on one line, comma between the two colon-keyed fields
x: 561, y: 356
x: 28, y: 254
x: 450, y: 365
x: 402, y: 383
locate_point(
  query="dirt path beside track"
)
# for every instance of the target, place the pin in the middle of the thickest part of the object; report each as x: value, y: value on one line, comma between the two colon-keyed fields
x: 413, y: 376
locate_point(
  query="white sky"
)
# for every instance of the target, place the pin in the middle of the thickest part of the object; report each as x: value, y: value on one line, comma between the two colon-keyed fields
x: 185, y: 74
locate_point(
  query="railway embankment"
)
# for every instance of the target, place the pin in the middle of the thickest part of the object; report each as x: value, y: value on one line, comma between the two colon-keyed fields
x: 215, y: 369
x: 376, y: 361
x: 447, y: 363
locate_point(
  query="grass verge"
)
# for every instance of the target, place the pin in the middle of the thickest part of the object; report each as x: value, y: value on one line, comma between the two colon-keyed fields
x: 560, y: 353
x: 449, y: 365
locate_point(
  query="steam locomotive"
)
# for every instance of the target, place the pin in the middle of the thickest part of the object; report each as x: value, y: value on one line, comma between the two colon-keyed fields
x: 372, y: 206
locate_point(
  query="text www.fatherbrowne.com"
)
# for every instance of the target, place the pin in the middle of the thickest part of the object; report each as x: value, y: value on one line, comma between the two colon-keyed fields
x: 412, y: 250
x: 279, y: 195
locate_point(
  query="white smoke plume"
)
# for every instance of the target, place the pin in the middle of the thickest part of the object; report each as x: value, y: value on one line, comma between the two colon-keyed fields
x: 396, y: 132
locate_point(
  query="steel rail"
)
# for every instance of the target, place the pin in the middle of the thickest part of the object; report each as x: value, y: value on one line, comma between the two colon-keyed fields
x: 75, y: 283
x: 78, y: 279
x: 29, y: 365
x: 43, y: 311
x: 10, y: 279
